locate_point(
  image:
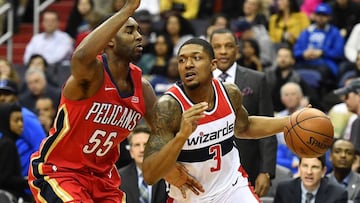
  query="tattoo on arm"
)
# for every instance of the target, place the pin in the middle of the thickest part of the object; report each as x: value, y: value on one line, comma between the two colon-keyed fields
x: 241, y: 122
x: 167, y: 121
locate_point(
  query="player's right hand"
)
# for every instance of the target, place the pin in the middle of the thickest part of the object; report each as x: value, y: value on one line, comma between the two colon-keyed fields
x: 190, y: 118
x: 179, y: 177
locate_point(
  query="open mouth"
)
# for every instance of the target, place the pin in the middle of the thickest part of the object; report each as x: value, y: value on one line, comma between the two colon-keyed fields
x: 189, y: 75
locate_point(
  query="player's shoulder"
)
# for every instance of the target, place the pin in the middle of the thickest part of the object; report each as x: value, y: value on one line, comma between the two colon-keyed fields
x: 232, y: 89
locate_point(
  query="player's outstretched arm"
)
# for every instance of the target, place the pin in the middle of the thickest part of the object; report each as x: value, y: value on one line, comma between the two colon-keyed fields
x: 252, y: 127
x: 85, y: 69
x: 172, y: 128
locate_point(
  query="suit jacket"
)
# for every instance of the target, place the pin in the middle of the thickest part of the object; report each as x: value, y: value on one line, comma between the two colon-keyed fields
x: 353, y: 186
x: 289, y: 191
x: 129, y: 184
x: 259, y: 155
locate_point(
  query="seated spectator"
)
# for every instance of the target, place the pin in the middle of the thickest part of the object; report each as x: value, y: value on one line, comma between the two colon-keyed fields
x: 320, y: 47
x: 46, y: 112
x: 245, y: 30
x: 32, y: 135
x: 351, y: 95
x: 352, y: 46
x: 283, y: 72
x: 37, y: 87
x: 311, y: 186
x: 7, y: 72
x: 156, y: 61
x: 178, y: 29
x: 77, y: 22
x: 161, y: 83
x: 53, y: 44
x: 11, y: 126
x: 250, y: 55
x: 133, y: 184
x: 217, y: 21
x: 254, y: 13
x: 342, y: 157
x: 291, y: 97
x: 287, y: 23
x: 345, y: 15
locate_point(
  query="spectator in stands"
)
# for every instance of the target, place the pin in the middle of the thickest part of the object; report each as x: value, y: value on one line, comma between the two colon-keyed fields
x: 7, y: 71
x: 282, y: 73
x: 309, y: 6
x: 291, y: 97
x: 38, y: 61
x: 351, y: 95
x: 320, y: 47
x: 345, y: 15
x: 32, y: 135
x: 352, y: 46
x: 152, y: 6
x: 77, y: 22
x: 37, y: 87
x: 131, y: 175
x: 11, y: 126
x: 286, y: 25
x: 93, y: 19
x: 189, y: 9
x: 55, y: 45
x: 155, y: 62
x: 161, y: 83
x: 250, y: 55
x: 254, y: 13
x: 342, y: 157
x: 245, y: 30
x: 178, y: 29
x: 46, y: 112
x: 217, y: 21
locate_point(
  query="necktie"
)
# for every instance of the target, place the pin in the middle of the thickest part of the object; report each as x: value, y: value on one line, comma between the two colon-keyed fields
x: 223, y: 76
x: 309, y: 196
x: 144, y: 192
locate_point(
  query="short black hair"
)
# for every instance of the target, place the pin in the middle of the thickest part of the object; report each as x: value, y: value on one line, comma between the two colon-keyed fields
x: 224, y: 31
x: 206, y: 45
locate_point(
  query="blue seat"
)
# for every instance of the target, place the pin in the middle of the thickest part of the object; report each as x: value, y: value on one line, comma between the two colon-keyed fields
x: 311, y: 77
x: 345, y: 76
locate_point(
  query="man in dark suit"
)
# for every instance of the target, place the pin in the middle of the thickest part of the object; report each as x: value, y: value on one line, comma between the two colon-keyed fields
x: 257, y: 156
x: 342, y: 157
x: 311, y: 186
x: 131, y: 175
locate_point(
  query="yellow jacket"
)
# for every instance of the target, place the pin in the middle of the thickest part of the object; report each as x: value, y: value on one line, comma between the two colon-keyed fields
x: 295, y: 25
x: 191, y: 7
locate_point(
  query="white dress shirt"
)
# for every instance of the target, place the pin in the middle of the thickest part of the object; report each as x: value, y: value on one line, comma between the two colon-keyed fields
x: 231, y: 73
x: 55, y: 47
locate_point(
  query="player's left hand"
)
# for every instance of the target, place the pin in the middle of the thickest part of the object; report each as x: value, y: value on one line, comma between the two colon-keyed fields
x: 262, y: 184
x: 180, y: 178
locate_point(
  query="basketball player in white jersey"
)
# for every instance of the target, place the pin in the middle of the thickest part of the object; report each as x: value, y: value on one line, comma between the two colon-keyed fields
x: 195, y: 122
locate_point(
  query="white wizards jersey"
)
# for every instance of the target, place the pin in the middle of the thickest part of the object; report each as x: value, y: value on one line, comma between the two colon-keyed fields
x: 209, y: 153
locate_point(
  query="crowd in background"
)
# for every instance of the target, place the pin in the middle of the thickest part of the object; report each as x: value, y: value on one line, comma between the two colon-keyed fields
x: 305, y: 48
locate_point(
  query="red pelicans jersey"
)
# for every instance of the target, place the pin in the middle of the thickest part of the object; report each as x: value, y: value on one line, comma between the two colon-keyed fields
x: 86, y: 133
x: 209, y: 153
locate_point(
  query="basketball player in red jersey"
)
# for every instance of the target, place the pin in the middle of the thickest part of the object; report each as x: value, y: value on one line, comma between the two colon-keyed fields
x: 195, y: 122
x: 101, y: 102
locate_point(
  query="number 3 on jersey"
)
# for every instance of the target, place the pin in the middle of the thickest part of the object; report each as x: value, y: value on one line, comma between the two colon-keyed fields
x: 216, y: 151
x: 99, y: 144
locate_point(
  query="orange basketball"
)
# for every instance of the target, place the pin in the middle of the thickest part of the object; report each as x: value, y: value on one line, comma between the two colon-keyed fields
x: 309, y: 133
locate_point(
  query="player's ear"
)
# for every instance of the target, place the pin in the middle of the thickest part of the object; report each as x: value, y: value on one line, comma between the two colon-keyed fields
x: 213, y: 65
x: 111, y: 43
